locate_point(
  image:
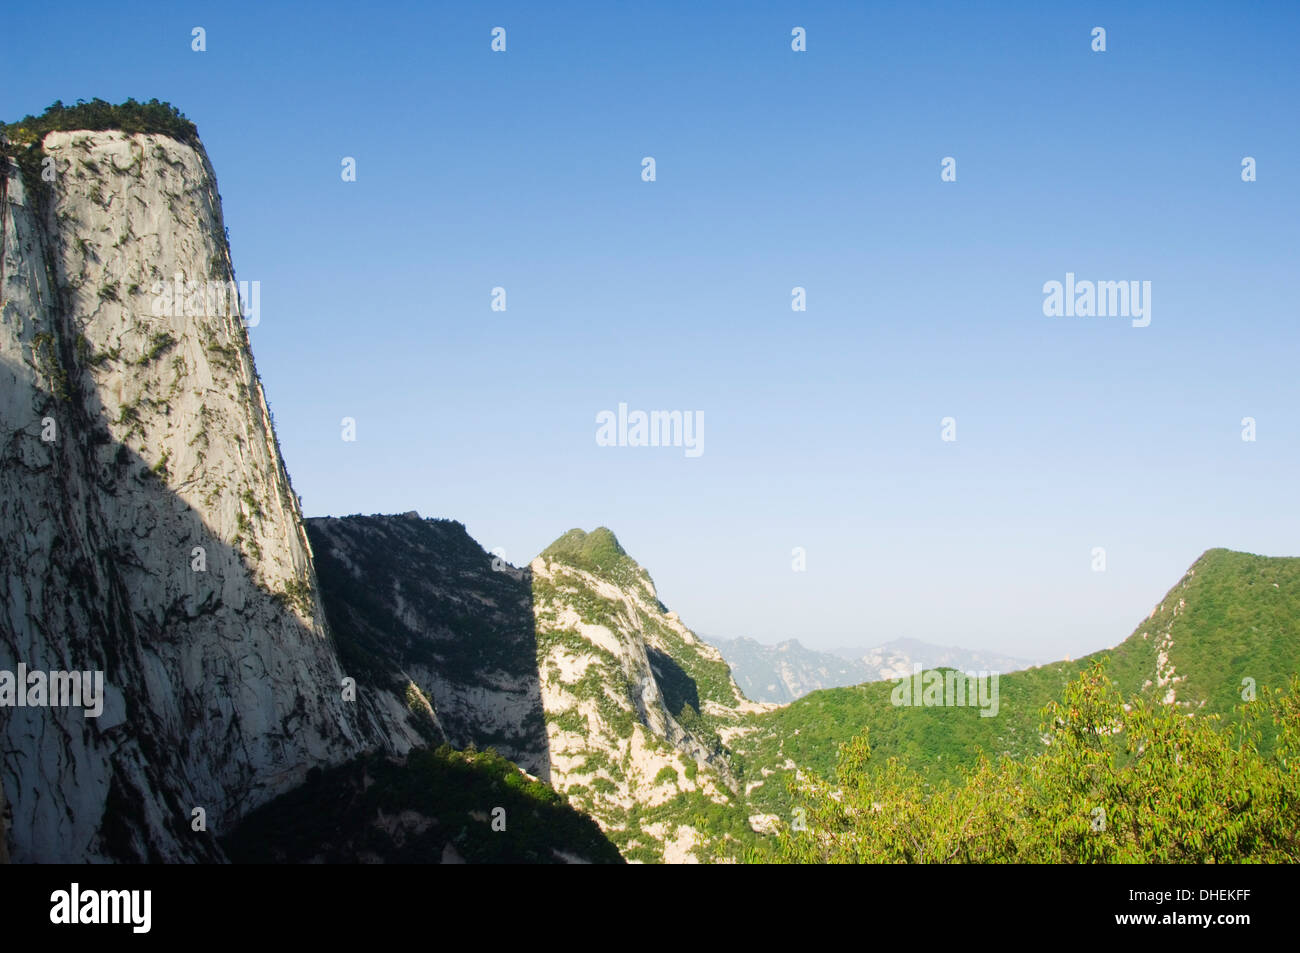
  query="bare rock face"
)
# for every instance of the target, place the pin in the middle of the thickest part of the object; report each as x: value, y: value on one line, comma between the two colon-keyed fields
x: 149, y: 537
x: 418, y: 603
x: 570, y: 667
x: 637, y: 705
x: 148, y: 530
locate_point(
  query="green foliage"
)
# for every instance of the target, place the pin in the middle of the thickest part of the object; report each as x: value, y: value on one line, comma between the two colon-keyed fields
x: 620, y: 720
x: 249, y: 500
x: 722, y: 827
x: 596, y: 552
x: 130, y: 117
x: 88, y: 356
x: 421, y: 717
x: 549, y: 638
x: 45, y: 354
x: 27, y: 134
x: 570, y: 720
x: 591, y: 685
x: 224, y: 356
x: 701, y: 727
x: 1232, y: 616
x: 686, y: 674
x: 1137, y: 783
x: 596, y: 759
x: 298, y: 594
x: 361, y: 809
x: 641, y: 853
x: 159, y: 344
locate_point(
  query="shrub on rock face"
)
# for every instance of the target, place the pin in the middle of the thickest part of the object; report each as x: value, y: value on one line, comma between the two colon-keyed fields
x: 130, y: 117
x: 23, y: 139
x: 667, y: 775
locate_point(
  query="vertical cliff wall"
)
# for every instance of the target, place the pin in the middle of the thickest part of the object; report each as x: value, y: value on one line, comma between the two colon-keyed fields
x: 414, y: 601
x: 147, y: 527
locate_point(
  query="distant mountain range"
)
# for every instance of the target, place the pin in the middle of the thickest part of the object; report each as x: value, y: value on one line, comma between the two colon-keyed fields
x: 788, y: 670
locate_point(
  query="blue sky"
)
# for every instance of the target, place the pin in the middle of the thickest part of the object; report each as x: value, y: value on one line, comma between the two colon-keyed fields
x: 775, y: 169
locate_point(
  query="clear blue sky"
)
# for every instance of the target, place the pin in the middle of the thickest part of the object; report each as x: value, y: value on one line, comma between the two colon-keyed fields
x: 775, y: 169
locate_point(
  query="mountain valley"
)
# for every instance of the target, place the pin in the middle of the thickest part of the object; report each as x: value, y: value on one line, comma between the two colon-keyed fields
x: 380, y: 688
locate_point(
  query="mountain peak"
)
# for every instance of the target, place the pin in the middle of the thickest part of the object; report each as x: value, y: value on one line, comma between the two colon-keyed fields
x: 130, y: 117
x: 598, y: 550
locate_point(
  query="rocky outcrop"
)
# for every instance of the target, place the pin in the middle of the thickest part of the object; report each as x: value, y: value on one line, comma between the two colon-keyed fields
x: 148, y: 529
x: 418, y: 602
x: 150, y: 538
x: 636, y: 703
x: 572, y: 668
x: 149, y: 535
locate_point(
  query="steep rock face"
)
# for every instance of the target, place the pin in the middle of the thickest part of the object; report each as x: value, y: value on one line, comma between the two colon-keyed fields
x: 571, y: 668
x: 415, y: 601
x: 147, y: 526
x: 637, y: 706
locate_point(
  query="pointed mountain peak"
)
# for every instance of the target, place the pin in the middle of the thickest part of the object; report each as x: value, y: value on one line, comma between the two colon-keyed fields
x: 600, y: 548
x: 599, y: 553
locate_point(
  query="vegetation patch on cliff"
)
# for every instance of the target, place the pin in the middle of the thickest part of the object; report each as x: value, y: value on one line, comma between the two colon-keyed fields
x: 130, y: 117
x: 434, y: 806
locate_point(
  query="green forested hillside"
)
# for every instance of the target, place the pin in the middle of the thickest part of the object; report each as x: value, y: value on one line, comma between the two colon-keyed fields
x: 587, y: 629
x: 1233, y: 616
x: 1117, y: 782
